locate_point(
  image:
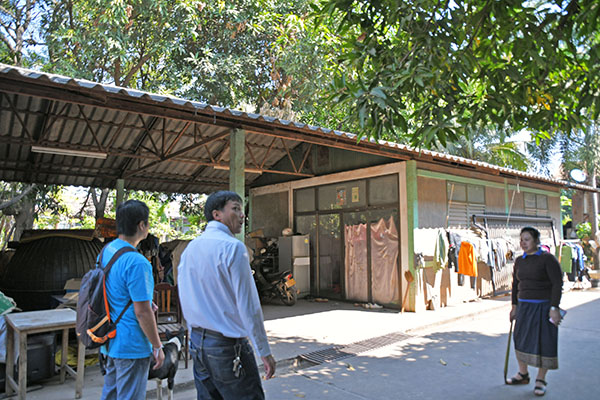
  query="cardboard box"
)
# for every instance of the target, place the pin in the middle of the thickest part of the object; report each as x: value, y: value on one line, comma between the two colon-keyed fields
x: 73, y: 285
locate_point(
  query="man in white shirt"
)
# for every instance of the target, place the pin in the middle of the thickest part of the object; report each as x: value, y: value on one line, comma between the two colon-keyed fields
x: 221, y: 305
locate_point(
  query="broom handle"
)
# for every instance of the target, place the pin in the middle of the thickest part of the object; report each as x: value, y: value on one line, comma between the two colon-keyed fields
x: 508, y: 350
x: 405, y: 297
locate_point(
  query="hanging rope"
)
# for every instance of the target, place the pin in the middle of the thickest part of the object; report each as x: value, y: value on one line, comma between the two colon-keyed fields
x: 511, y: 204
x: 449, y: 204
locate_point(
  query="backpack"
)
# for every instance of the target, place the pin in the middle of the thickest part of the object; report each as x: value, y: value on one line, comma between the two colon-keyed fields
x: 94, y: 324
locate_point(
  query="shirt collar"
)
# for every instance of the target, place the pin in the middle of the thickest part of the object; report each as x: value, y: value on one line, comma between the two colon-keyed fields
x: 537, y: 253
x: 219, y: 226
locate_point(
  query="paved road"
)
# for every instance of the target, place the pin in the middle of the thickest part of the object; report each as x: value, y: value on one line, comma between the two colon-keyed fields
x: 461, y: 360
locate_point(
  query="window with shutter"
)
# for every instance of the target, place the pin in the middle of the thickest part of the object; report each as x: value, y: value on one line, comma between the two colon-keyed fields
x: 464, y: 200
x: 536, y: 204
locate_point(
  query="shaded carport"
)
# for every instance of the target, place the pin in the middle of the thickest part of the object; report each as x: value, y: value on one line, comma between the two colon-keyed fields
x: 59, y: 130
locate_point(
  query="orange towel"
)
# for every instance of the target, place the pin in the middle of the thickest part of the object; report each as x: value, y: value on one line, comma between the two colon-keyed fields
x: 467, y: 263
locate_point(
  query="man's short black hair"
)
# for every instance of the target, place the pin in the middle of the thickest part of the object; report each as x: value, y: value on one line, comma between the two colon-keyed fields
x: 217, y: 201
x: 129, y: 215
x: 535, y: 234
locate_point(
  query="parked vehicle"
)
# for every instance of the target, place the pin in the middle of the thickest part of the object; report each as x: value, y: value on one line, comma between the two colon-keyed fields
x: 274, y: 285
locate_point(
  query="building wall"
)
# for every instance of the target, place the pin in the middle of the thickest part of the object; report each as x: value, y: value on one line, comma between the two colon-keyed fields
x: 432, y: 201
x: 423, y: 205
x: 495, y: 200
x: 270, y: 212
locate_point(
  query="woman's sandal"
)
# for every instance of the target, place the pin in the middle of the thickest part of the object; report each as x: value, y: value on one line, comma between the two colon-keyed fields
x: 540, y: 390
x: 519, y: 379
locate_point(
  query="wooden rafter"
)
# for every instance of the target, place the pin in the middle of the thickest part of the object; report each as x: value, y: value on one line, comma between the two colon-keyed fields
x: 164, y: 126
x: 187, y: 124
x: 209, y: 153
x: 289, y: 155
x: 16, y: 113
x: 251, y: 154
x: 148, y: 134
x: 54, y: 116
x: 118, y: 132
x: 262, y: 164
x: 177, y: 153
x: 305, y: 157
x: 89, y: 127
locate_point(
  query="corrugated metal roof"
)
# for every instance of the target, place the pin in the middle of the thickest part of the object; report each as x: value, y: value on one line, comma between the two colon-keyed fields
x: 78, y: 116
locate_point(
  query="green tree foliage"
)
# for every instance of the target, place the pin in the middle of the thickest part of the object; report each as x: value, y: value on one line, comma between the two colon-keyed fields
x: 189, y: 219
x: 241, y: 53
x: 487, y: 145
x: 427, y: 69
x: 128, y: 43
x: 21, y: 205
x: 566, y: 206
x: 19, y: 35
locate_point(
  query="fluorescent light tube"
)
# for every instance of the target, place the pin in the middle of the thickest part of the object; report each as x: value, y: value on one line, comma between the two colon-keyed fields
x: 68, y: 152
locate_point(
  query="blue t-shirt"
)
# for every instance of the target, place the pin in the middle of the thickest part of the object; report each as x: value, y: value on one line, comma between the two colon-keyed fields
x: 129, y: 278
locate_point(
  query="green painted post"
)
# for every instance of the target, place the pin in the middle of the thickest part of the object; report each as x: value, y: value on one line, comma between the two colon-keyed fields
x: 237, y: 181
x: 412, y: 221
x: 120, y: 192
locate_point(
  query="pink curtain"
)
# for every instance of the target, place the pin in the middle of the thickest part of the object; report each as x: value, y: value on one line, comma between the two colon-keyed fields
x: 356, y: 262
x: 384, y: 262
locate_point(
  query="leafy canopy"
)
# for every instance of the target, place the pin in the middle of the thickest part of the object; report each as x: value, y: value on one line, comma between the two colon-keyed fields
x: 427, y: 69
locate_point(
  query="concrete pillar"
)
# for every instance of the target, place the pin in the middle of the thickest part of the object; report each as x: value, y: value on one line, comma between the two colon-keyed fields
x: 120, y: 192
x: 237, y: 178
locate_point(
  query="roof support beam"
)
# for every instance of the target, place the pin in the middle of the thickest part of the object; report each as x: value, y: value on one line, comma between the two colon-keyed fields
x: 177, y: 153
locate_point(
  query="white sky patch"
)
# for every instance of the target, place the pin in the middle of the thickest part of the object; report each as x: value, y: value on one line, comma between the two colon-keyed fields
x: 522, y: 138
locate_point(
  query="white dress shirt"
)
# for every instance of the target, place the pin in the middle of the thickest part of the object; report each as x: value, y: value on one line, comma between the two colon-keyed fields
x: 217, y: 290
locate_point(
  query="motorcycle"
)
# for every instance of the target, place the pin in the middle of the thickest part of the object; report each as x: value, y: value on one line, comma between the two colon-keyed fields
x: 273, y: 285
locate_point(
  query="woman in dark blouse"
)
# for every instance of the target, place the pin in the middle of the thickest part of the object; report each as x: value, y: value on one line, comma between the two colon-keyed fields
x: 536, y: 292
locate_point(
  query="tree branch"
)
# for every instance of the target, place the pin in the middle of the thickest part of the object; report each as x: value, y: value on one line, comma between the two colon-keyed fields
x: 80, y: 213
x: 135, y: 69
x: 18, y: 198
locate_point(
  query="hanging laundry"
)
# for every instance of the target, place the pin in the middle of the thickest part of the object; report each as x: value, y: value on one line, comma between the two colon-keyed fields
x: 440, y: 256
x: 455, y: 240
x: 467, y: 261
x: 565, y: 257
x: 501, y: 248
x: 580, y: 262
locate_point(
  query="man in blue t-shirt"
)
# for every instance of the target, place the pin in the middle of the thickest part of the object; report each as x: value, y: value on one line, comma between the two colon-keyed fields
x: 128, y: 353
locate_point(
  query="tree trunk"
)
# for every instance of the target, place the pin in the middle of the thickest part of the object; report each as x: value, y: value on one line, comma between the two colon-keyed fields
x: 100, y: 204
x: 23, y: 218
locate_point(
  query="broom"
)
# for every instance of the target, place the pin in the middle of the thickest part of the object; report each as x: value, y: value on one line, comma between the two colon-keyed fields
x: 508, y: 350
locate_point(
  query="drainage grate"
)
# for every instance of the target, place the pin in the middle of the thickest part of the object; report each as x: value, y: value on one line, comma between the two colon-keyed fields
x: 350, y: 350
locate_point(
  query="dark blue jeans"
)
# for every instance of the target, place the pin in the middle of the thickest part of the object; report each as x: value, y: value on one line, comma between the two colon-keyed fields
x: 213, y: 357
